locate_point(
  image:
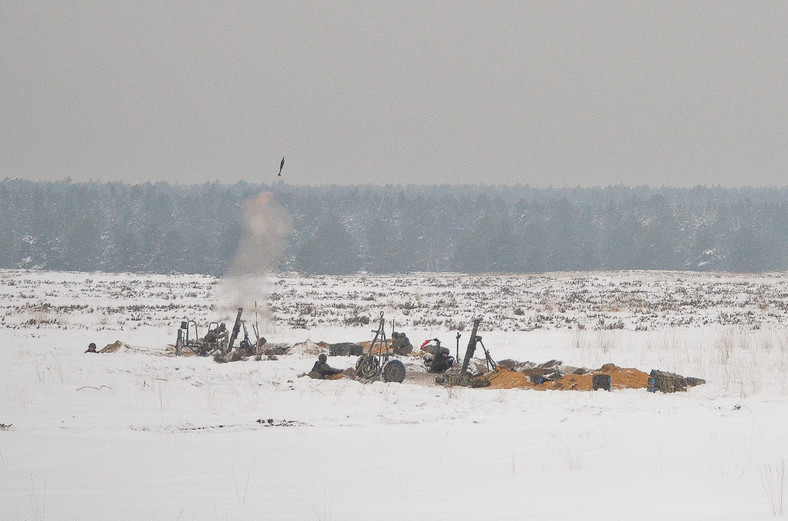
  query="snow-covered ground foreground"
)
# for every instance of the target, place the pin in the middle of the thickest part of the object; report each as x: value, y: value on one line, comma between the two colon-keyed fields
x: 141, y: 434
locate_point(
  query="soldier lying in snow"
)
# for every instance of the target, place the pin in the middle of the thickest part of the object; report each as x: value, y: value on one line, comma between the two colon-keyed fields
x: 321, y: 369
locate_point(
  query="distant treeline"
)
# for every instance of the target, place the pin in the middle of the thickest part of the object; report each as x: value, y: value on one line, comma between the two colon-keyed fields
x: 396, y: 229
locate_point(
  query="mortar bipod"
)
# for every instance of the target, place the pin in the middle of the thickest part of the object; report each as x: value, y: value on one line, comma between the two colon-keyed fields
x: 491, y: 365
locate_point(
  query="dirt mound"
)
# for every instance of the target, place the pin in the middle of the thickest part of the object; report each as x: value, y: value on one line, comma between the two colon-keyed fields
x: 504, y: 378
x: 114, y: 347
x: 625, y: 378
x: 118, y: 347
x: 573, y: 382
x: 380, y: 349
x: 309, y: 348
x: 367, y: 345
x: 620, y: 378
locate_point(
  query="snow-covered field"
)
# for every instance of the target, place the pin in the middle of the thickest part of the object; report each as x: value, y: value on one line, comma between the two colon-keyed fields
x: 141, y: 434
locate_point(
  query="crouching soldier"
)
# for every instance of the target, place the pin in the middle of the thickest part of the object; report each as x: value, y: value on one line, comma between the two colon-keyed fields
x: 438, y: 359
x: 400, y: 344
x: 214, y: 334
x: 441, y: 360
x: 322, y: 370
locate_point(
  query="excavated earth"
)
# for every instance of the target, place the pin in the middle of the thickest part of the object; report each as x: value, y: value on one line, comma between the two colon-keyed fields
x: 508, y: 375
x: 620, y: 378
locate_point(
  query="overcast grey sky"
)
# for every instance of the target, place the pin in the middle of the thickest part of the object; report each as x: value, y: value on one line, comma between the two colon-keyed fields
x: 563, y: 93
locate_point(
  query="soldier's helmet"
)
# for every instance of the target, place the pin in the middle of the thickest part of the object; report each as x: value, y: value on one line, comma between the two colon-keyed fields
x: 92, y: 346
x: 322, y: 358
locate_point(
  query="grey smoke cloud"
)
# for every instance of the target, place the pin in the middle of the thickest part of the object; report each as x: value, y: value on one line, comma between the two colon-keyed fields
x: 266, y: 225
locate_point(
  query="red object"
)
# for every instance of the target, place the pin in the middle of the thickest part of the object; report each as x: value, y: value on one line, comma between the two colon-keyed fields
x: 430, y: 340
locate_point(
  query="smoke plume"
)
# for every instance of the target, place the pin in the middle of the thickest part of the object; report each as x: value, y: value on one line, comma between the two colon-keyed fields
x: 266, y: 225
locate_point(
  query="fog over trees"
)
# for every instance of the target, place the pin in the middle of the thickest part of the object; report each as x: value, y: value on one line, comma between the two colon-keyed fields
x: 167, y: 228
